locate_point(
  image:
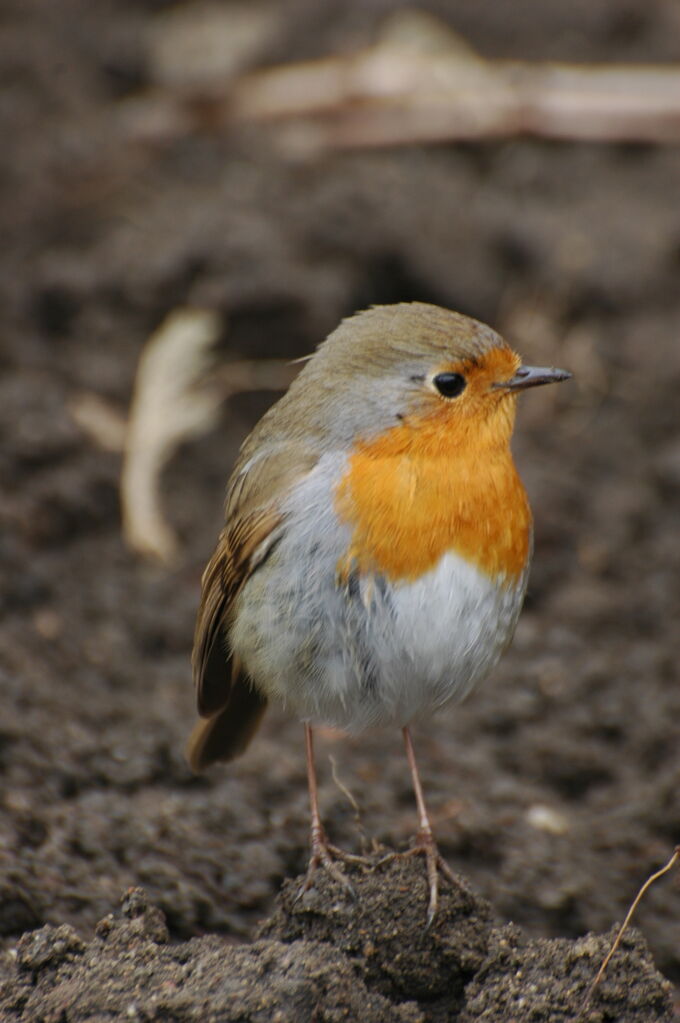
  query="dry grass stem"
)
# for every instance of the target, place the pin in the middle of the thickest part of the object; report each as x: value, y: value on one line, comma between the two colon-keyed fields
x: 352, y: 802
x: 626, y: 923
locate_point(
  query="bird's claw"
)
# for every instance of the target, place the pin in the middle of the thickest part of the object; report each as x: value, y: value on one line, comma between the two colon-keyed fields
x: 425, y: 845
x: 324, y: 854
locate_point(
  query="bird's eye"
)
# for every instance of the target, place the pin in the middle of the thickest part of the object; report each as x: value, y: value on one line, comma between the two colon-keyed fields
x: 449, y: 385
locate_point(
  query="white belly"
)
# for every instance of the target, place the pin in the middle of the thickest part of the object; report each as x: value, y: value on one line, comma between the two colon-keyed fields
x: 377, y: 654
x: 450, y: 627
x: 430, y: 641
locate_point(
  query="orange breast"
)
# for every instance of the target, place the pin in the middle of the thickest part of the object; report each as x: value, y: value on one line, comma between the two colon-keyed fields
x: 421, y: 490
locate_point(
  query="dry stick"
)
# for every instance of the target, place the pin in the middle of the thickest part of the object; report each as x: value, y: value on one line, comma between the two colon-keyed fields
x: 421, y: 81
x: 395, y: 98
x: 396, y: 94
x: 624, y: 926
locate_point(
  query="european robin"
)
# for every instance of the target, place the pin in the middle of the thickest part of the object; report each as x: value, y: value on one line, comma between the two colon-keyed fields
x: 377, y: 543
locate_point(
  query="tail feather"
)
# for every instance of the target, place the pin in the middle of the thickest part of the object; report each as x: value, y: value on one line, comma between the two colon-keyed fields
x: 226, y: 734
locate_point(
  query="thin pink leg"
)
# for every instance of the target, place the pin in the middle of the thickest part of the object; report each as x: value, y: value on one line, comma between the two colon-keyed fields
x: 424, y: 840
x: 318, y: 835
x: 322, y: 852
x: 424, y: 826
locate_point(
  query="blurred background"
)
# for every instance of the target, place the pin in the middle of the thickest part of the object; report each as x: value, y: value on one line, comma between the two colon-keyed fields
x: 150, y: 165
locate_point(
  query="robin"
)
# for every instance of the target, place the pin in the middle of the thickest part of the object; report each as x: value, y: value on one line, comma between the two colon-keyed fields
x: 377, y: 544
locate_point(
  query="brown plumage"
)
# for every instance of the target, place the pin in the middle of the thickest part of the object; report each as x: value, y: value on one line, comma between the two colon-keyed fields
x: 227, y: 701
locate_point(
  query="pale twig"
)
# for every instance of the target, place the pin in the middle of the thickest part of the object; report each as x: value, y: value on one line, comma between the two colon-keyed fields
x: 421, y: 83
x: 624, y: 926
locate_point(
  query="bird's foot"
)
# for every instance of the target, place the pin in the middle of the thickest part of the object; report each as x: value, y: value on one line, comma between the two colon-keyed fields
x: 425, y: 845
x: 324, y: 854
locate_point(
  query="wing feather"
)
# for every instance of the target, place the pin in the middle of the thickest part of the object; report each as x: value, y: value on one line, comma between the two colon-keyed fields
x: 241, y: 548
x: 255, y: 522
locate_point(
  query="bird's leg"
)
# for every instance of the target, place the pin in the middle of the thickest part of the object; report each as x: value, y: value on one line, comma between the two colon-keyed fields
x: 424, y: 837
x: 322, y: 852
x: 424, y: 842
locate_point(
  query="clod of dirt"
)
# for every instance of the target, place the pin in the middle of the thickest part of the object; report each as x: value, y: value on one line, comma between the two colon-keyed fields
x: 141, y: 920
x: 327, y: 958
x: 548, y: 980
x: 463, y: 968
x: 129, y: 972
x: 48, y: 948
x: 384, y: 933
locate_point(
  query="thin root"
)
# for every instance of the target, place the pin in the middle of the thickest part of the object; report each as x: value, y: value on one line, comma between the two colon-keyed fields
x: 624, y: 926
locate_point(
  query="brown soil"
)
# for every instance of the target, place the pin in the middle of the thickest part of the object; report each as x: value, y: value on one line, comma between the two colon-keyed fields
x: 555, y: 787
x: 327, y: 957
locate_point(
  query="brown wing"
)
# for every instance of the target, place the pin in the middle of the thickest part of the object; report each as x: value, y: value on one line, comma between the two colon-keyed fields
x: 225, y: 696
x: 241, y: 548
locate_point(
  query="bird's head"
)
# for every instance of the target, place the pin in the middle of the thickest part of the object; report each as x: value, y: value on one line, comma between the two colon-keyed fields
x: 420, y: 367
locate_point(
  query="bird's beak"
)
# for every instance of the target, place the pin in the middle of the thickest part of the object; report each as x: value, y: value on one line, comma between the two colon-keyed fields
x: 533, y: 376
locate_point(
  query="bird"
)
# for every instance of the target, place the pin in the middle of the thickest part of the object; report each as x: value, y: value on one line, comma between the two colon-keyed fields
x: 376, y: 546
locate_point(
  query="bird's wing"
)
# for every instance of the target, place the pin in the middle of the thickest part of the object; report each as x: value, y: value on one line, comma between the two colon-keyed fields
x: 254, y: 524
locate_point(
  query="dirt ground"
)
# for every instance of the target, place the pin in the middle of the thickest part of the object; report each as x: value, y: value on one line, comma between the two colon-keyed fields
x: 556, y: 787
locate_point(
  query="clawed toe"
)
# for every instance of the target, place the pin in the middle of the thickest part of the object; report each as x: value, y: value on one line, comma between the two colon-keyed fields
x: 425, y: 845
x: 324, y: 855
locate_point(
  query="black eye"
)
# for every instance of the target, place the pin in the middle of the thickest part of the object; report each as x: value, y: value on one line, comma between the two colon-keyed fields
x: 449, y: 385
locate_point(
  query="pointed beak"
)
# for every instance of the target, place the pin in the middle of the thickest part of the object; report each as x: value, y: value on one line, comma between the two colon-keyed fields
x: 534, y: 376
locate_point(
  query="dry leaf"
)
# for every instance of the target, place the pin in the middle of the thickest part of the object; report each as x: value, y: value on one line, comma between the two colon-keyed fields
x: 169, y: 406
